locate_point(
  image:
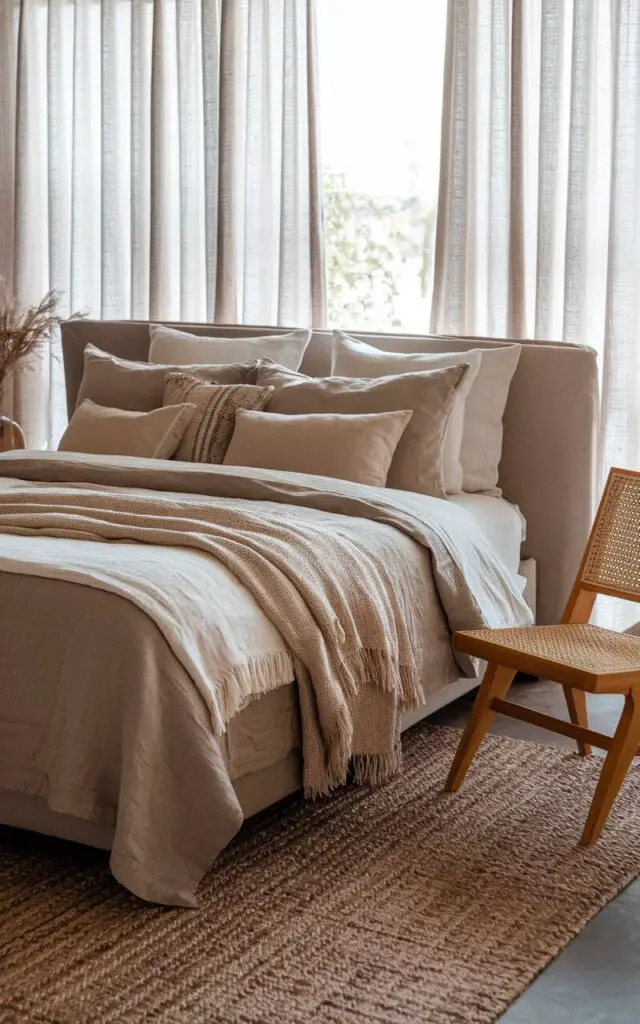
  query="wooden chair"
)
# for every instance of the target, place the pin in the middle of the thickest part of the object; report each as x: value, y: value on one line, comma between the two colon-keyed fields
x: 581, y: 657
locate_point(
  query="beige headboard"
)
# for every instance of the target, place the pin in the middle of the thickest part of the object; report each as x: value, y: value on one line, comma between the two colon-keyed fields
x: 549, y: 452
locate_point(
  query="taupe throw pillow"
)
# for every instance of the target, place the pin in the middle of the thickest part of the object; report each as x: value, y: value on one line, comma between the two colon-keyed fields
x: 125, y: 384
x: 209, y: 432
x: 358, y: 448
x: 97, y: 430
x: 417, y: 464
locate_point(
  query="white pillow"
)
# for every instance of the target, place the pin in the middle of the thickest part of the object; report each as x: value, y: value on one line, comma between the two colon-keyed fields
x: 181, y: 348
x: 353, y: 358
x: 486, y: 399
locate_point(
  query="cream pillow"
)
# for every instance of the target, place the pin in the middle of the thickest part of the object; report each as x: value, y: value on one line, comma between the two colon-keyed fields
x: 209, y: 432
x: 357, y: 448
x: 98, y: 430
x: 353, y: 358
x: 180, y: 348
x: 126, y: 384
x: 486, y: 400
x: 418, y: 460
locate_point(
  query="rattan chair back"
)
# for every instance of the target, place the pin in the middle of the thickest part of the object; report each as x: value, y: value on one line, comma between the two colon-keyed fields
x: 611, y: 564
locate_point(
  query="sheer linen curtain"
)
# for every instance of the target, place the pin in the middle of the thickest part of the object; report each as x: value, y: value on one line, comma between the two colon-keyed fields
x: 158, y: 159
x: 538, y: 231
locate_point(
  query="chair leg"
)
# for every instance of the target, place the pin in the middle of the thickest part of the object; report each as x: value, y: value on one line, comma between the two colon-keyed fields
x: 621, y: 753
x: 577, y: 707
x: 496, y: 683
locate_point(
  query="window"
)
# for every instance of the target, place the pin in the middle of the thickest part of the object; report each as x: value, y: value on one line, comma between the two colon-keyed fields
x: 380, y: 68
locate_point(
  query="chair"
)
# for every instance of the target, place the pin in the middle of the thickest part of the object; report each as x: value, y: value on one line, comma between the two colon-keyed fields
x: 581, y: 657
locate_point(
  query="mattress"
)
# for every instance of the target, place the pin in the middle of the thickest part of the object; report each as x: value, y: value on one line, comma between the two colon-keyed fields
x: 262, y: 745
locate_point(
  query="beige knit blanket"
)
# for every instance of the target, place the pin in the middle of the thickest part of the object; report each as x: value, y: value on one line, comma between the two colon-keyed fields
x: 342, y: 608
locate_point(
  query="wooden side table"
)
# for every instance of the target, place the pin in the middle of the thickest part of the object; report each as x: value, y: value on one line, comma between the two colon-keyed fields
x: 11, y: 436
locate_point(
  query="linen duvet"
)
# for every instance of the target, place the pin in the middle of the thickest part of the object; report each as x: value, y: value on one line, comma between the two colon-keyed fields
x: 223, y: 584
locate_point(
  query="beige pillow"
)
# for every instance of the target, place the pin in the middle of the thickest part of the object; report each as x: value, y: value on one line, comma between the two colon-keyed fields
x: 417, y: 464
x: 125, y: 384
x: 209, y: 432
x: 354, y: 358
x: 358, y: 448
x: 486, y: 395
x: 171, y: 346
x: 102, y: 431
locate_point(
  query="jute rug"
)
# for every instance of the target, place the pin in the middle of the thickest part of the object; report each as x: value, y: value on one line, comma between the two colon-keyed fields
x: 394, y: 905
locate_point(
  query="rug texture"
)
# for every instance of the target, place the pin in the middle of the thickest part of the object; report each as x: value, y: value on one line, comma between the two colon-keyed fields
x: 393, y: 905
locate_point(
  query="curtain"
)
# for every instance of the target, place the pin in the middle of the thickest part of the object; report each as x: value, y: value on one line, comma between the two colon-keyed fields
x: 538, y: 229
x: 158, y: 159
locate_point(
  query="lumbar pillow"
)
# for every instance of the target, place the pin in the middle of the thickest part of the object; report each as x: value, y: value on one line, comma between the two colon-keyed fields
x: 209, y: 432
x: 481, y: 402
x: 358, y: 448
x: 418, y: 459
x: 171, y: 346
x: 353, y: 358
x: 126, y: 384
x: 97, y: 430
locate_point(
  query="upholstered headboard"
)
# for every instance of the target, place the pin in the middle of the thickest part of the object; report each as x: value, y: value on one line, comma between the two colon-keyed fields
x: 550, y: 429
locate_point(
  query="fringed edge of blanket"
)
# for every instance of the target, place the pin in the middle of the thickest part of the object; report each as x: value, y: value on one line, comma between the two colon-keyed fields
x: 247, y: 681
x: 368, y: 666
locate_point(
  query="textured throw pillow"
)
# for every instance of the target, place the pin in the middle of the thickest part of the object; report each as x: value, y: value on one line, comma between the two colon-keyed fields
x: 179, y: 347
x: 485, y: 391
x: 97, y: 430
x: 125, y: 384
x: 353, y: 358
x: 209, y: 432
x: 357, y: 448
x: 418, y: 459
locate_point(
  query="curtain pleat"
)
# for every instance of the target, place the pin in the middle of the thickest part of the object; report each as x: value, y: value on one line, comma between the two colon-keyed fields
x: 158, y: 158
x: 538, y: 228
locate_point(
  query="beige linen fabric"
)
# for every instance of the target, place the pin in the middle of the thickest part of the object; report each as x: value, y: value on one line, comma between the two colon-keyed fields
x: 417, y: 464
x: 358, y: 448
x: 181, y: 347
x: 354, y: 358
x: 126, y: 384
x: 209, y: 432
x: 97, y: 430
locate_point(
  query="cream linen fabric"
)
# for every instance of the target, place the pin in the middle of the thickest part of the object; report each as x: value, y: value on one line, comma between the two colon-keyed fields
x: 179, y: 347
x: 208, y: 434
x: 126, y: 384
x: 97, y: 430
x: 357, y: 448
x: 417, y: 464
x: 354, y: 358
x: 331, y: 586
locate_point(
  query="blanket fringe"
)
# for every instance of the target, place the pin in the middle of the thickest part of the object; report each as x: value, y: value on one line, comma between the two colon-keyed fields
x: 376, y: 769
x: 243, y: 683
x: 369, y: 666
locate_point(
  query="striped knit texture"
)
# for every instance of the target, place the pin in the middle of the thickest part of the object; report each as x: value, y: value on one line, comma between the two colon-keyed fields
x: 398, y: 904
x: 207, y: 437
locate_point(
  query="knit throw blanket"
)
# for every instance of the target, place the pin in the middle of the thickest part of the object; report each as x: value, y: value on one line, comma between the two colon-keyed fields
x: 342, y: 608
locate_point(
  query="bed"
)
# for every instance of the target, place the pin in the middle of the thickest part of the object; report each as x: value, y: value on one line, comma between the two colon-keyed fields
x: 537, y: 531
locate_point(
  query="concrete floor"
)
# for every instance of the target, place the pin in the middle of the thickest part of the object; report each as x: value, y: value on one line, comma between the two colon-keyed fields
x: 596, y: 979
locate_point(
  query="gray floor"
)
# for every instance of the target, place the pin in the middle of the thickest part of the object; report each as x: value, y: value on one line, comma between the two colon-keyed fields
x: 597, y: 977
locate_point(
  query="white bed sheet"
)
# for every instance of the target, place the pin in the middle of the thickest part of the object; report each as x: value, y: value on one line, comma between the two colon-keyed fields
x: 502, y: 522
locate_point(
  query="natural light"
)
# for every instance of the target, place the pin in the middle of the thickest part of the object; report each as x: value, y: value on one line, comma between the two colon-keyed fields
x: 381, y: 105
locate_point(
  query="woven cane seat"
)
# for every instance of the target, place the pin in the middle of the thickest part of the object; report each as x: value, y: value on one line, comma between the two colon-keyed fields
x: 586, y: 651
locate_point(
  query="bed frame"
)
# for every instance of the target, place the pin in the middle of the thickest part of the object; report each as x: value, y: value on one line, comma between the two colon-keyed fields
x: 547, y: 469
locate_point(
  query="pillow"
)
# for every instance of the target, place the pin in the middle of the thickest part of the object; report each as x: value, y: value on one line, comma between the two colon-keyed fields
x: 171, y: 346
x: 481, y: 448
x: 353, y: 358
x: 124, y: 384
x: 417, y: 462
x: 358, y: 448
x: 485, y: 397
x: 210, y: 429
x: 102, y: 431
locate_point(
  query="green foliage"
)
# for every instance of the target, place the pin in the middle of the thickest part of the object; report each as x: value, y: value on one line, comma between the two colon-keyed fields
x: 375, y: 248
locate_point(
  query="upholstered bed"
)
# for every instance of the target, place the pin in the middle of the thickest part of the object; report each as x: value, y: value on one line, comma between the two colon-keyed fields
x: 547, y: 480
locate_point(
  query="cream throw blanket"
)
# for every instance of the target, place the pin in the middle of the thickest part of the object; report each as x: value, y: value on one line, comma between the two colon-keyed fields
x: 342, y: 609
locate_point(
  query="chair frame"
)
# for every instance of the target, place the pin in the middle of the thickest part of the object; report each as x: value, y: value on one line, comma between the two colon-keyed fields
x: 621, y: 747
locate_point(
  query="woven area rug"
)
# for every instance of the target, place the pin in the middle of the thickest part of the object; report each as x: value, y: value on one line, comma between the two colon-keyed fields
x: 392, y: 905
